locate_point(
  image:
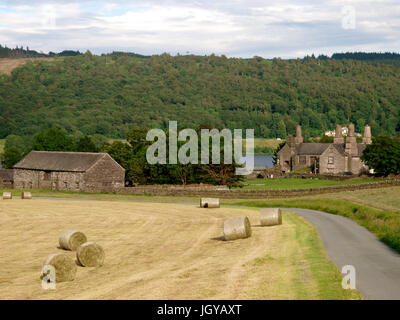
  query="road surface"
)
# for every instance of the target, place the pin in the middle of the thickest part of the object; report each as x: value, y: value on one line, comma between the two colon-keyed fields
x: 347, y: 243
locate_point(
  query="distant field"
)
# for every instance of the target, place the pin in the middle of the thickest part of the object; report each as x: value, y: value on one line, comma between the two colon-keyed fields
x: 164, y: 251
x: 264, y: 146
x: 296, y: 183
x: 270, y: 143
x: 7, y: 65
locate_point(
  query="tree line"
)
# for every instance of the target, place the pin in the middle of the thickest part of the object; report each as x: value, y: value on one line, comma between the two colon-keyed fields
x: 21, y: 52
x: 130, y: 154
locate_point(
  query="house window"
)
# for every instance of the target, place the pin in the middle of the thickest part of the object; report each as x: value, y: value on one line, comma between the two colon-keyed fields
x: 77, y: 185
x: 302, y: 159
x: 330, y: 160
x: 65, y: 184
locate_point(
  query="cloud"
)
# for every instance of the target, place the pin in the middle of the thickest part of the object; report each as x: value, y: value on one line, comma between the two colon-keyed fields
x: 286, y: 28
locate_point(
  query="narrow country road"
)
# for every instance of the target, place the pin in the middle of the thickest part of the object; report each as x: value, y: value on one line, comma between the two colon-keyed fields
x: 347, y: 243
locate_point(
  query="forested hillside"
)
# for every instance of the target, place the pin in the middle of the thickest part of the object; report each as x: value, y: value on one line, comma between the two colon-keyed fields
x: 109, y: 94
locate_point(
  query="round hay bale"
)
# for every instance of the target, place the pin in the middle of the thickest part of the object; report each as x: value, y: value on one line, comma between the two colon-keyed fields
x: 90, y: 254
x: 209, y: 203
x: 26, y: 195
x: 238, y: 228
x: 64, y: 266
x: 270, y: 216
x: 71, y: 239
x: 7, y: 195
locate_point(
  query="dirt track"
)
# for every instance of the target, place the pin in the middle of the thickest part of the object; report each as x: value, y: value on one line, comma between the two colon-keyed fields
x: 7, y: 65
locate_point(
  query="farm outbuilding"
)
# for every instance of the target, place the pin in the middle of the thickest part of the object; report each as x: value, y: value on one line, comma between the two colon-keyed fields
x: 6, y: 178
x: 71, y: 171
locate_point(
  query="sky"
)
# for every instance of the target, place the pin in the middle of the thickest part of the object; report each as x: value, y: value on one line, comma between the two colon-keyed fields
x: 235, y: 28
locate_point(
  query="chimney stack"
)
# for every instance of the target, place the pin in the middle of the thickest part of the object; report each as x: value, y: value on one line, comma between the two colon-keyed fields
x: 351, y: 141
x: 338, y: 135
x: 299, y: 137
x: 367, y: 138
x: 291, y: 141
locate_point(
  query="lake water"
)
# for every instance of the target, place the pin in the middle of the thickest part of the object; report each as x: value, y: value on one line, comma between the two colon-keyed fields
x: 262, y: 160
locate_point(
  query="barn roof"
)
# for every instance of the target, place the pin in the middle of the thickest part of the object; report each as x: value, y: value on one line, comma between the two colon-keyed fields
x: 311, y: 148
x: 59, y: 161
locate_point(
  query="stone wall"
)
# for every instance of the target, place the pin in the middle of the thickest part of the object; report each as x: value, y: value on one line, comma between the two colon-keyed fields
x: 241, y: 193
x: 65, y: 181
x: 105, y: 173
x: 55, y: 180
x: 6, y: 184
x: 337, y: 166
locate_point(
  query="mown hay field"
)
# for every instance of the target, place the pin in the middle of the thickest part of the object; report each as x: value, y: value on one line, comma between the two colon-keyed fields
x: 163, y: 251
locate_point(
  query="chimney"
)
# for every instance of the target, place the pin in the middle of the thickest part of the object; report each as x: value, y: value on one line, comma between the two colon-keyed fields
x: 299, y: 137
x: 291, y: 141
x: 351, y: 141
x: 367, y: 138
x: 338, y: 135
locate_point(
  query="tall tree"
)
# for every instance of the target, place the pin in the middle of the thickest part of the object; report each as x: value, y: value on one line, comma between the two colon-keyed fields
x: 383, y: 155
x: 85, y: 144
x: 53, y: 139
x: 11, y: 156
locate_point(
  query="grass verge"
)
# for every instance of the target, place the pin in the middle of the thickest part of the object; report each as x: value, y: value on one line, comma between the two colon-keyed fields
x: 304, y: 270
x: 384, y: 224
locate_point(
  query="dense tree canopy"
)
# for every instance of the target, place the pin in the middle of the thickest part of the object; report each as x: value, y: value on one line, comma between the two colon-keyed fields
x: 107, y: 95
x: 52, y: 139
x: 383, y: 155
x: 85, y: 144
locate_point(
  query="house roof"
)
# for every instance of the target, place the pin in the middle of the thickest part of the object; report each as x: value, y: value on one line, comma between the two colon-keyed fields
x: 340, y: 148
x: 311, y: 148
x: 319, y: 148
x: 7, y: 174
x: 59, y: 161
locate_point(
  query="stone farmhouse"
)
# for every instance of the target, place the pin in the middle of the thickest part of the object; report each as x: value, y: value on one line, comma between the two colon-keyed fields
x: 339, y: 157
x: 70, y: 171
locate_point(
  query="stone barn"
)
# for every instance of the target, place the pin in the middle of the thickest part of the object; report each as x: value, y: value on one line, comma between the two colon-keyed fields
x: 70, y: 171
